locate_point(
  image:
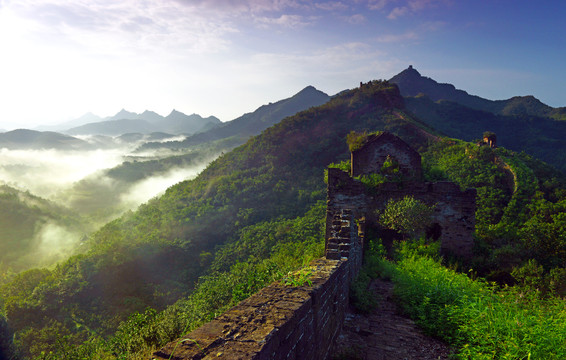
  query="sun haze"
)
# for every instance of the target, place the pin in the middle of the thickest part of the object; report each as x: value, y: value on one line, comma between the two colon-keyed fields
x: 61, y: 58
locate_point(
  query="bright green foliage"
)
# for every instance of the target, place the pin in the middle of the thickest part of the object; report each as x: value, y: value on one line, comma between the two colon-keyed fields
x: 481, y: 321
x: 539, y: 136
x: 356, y: 140
x: 507, y: 228
x: 407, y: 215
x: 372, y: 181
x: 245, y: 221
x: 153, y: 256
x: 544, y: 233
x: 471, y: 166
x: 258, y: 263
x: 300, y: 277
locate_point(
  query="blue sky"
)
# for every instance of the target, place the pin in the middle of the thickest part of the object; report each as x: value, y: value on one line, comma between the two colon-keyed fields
x: 63, y: 58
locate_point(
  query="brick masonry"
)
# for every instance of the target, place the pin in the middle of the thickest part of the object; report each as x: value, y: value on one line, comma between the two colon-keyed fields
x: 378, y: 147
x: 283, y: 322
x: 279, y: 322
x: 302, y: 322
x: 454, y: 216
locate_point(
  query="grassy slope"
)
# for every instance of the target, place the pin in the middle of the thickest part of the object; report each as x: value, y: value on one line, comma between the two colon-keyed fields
x: 540, y: 137
x: 155, y: 255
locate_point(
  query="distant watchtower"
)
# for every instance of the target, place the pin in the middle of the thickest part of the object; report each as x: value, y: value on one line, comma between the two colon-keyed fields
x: 490, y: 139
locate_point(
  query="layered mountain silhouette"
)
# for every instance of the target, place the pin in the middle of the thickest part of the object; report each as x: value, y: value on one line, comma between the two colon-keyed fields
x: 147, y: 122
x: 412, y: 83
x: 37, y: 140
x: 522, y: 123
x: 254, y: 123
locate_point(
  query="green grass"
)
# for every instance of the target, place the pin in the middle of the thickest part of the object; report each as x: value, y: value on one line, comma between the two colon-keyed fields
x: 481, y: 321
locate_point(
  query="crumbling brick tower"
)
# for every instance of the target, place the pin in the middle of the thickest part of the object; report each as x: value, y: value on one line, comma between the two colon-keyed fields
x: 454, y: 216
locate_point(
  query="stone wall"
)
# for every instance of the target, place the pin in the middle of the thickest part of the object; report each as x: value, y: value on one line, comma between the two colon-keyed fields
x: 279, y: 322
x: 454, y: 214
x: 284, y: 322
x: 302, y: 322
x: 346, y: 240
x: 373, y: 154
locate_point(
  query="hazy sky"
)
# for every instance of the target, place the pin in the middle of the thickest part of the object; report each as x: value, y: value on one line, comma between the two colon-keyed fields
x: 62, y: 58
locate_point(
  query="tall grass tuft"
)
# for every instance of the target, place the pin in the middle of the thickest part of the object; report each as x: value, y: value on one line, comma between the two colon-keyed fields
x: 481, y: 321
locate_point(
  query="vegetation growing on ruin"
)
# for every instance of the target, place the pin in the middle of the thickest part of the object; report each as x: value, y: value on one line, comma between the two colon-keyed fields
x: 256, y: 213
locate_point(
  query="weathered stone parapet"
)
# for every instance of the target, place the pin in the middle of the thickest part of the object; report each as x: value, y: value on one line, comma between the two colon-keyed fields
x: 454, y: 215
x: 345, y: 241
x: 371, y: 157
x: 279, y: 322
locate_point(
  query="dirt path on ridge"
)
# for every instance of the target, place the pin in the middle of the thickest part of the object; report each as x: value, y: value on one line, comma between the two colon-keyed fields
x: 384, y: 334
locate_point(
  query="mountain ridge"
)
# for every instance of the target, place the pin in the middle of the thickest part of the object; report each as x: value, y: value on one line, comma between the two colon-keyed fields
x: 412, y: 84
x: 522, y: 123
x: 32, y: 139
x: 253, y: 123
x: 147, y: 122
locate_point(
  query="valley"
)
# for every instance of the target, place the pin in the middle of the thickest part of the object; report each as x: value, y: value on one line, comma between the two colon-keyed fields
x: 157, y: 232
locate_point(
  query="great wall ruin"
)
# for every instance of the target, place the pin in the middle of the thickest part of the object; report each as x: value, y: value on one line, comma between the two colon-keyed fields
x: 302, y: 322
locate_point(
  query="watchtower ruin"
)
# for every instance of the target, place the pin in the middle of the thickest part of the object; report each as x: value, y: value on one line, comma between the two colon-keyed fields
x: 454, y: 214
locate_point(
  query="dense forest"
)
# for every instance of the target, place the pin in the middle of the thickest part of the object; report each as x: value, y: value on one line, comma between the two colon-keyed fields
x: 257, y: 212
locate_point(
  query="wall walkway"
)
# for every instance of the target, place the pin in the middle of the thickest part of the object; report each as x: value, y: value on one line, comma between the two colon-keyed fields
x: 282, y: 322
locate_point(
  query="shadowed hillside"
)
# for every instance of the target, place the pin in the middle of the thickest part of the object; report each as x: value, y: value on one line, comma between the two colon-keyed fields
x: 411, y: 83
x: 155, y: 255
x: 253, y: 123
x: 255, y: 212
x: 521, y: 123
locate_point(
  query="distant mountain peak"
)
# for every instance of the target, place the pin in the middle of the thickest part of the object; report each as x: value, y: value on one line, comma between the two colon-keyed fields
x: 176, y: 114
x: 123, y: 115
x: 309, y: 91
x: 412, y: 84
x: 149, y: 112
x: 175, y: 111
x: 411, y: 71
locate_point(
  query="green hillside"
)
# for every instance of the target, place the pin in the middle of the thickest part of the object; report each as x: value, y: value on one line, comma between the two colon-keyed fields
x: 411, y: 84
x: 250, y: 124
x: 155, y: 255
x: 539, y: 136
x: 255, y: 213
x: 34, y: 231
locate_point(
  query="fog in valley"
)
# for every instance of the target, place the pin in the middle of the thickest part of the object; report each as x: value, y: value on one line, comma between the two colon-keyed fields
x: 53, y: 199
x: 48, y: 172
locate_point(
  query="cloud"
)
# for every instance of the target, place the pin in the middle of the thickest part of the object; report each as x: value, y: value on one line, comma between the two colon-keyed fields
x: 146, y: 189
x: 46, y: 172
x: 331, y: 6
x: 398, y: 12
x: 395, y: 38
x: 107, y: 27
x: 415, y: 6
x: 356, y: 19
x: 378, y: 4
x: 54, y: 243
x: 286, y: 21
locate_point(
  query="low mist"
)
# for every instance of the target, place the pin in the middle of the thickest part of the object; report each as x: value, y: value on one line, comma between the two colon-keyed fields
x: 47, y: 172
x: 52, y: 243
x: 84, y: 189
x: 149, y: 188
